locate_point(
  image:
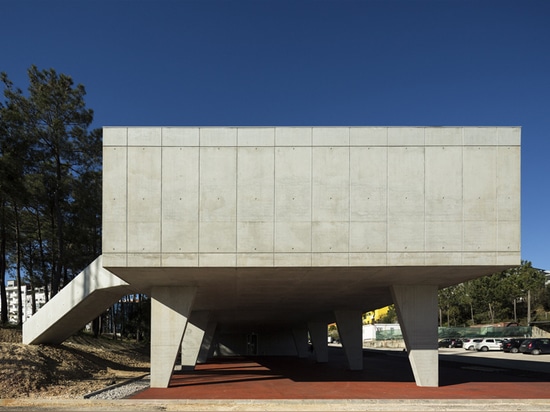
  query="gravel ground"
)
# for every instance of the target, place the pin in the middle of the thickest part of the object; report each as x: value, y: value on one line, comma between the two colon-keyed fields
x: 121, y: 391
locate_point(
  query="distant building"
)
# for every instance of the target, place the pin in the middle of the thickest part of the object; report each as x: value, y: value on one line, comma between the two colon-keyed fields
x: 26, y: 298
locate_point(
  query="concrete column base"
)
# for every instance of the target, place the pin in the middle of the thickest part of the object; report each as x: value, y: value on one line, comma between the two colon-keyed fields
x: 300, y: 340
x: 351, y: 334
x: 416, y: 307
x: 318, y: 331
x: 192, y: 339
x: 207, y: 346
x: 170, y: 309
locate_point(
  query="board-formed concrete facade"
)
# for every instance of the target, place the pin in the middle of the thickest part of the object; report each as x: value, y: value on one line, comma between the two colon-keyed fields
x: 249, y: 240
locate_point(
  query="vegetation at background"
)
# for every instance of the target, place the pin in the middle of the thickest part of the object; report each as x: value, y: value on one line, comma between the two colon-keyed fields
x: 514, y: 295
x: 50, y: 185
x: 517, y: 295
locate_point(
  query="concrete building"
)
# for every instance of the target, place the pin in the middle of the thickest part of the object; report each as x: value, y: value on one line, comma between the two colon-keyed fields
x: 249, y: 239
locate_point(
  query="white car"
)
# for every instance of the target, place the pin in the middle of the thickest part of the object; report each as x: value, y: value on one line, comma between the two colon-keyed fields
x: 489, y: 344
x: 470, y: 344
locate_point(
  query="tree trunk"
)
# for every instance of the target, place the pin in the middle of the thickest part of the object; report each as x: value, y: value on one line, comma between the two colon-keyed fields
x: 46, y: 278
x: 3, y: 266
x: 18, y: 267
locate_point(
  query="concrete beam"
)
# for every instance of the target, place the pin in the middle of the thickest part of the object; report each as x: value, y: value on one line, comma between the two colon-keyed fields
x: 192, y: 339
x: 351, y: 334
x: 416, y: 307
x: 82, y: 300
x: 170, y: 310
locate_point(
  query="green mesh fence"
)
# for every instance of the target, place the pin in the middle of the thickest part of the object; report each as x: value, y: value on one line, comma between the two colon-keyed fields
x: 486, y: 331
x: 389, y: 334
x: 477, y: 332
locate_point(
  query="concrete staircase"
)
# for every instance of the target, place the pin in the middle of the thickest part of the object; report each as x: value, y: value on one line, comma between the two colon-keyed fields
x: 82, y: 300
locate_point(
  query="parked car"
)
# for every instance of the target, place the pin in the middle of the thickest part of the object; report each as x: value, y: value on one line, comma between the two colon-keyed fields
x: 511, y: 345
x: 489, y: 344
x: 535, y: 346
x: 450, y: 343
x: 470, y: 344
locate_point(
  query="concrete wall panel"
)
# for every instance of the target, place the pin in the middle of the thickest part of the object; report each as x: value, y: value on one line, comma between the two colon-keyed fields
x: 180, y: 136
x: 330, y: 259
x: 255, y: 259
x: 444, y: 236
x: 293, y: 184
x: 255, y: 237
x: 330, y: 136
x: 115, y: 199
x: 368, y: 259
x: 480, y: 236
x: 180, y: 199
x: 443, y: 184
x: 256, y: 136
x: 180, y: 259
x: 218, y: 190
x: 330, y: 237
x: 474, y: 136
x: 218, y: 136
x: 509, y: 236
x: 115, y: 136
x: 368, y: 183
x: 407, y: 259
x: 293, y: 136
x: 405, y: 184
x: 292, y: 259
x: 144, y: 199
x: 292, y: 237
x: 144, y: 136
x: 406, y: 236
x: 330, y: 184
x: 405, y: 136
x: 480, y: 183
x: 509, y: 136
x: 217, y: 237
x: 508, y: 183
x: 367, y: 237
x: 218, y: 259
x: 443, y: 136
x: 368, y: 136
x: 256, y: 184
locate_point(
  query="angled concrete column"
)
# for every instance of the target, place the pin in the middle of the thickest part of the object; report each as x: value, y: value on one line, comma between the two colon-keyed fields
x: 207, y: 346
x: 170, y: 309
x: 318, y: 331
x: 416, y: 307
x: 350, y: 329
x: 300, y: 340
x: 192, y: 339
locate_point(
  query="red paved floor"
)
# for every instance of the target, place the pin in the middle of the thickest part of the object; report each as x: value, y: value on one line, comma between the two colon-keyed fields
x: 386, y: 375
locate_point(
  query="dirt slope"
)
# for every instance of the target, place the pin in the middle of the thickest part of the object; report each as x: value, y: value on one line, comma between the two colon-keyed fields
x: 80, y: 365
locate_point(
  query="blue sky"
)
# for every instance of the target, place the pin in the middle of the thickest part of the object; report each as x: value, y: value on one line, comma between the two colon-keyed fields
x: 261, y: 62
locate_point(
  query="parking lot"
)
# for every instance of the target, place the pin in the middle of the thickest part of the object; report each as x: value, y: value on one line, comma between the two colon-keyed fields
x: 500, y: 359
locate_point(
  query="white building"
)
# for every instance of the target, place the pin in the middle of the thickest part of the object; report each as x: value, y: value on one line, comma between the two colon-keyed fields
x: 26, y: 298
